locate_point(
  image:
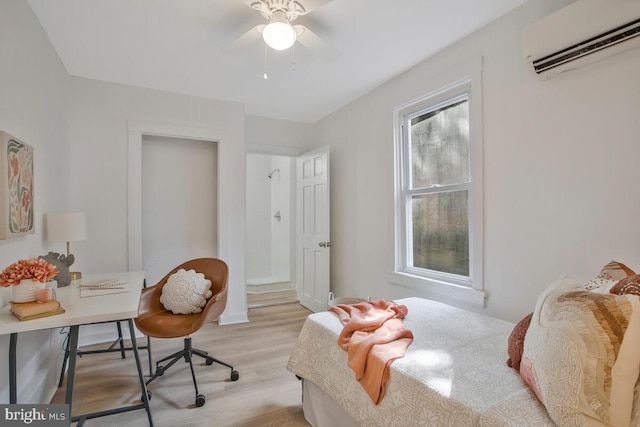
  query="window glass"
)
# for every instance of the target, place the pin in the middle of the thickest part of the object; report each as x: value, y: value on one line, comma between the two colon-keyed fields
x: 441, y: 232
x: 440, y: 146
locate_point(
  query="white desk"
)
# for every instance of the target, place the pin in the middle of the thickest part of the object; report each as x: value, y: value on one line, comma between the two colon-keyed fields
x: 82, y: 311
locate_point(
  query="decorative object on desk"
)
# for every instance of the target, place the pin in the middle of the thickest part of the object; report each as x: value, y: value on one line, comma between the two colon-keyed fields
x: 39, y: 315
x: 16, y: 187
x: 67, y: 227
x: 45, y: 295
x: 62, y: 263
x: 102, y: 287
x: 29, y: 310
x: 26, y: 276
x: 26, y: 291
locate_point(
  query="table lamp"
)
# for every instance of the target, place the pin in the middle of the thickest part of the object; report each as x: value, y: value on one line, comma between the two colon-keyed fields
x: 67, y: 227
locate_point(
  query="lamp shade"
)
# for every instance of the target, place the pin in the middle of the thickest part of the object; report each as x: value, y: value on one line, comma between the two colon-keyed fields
x: 66, y: 226
x: 279, y: 34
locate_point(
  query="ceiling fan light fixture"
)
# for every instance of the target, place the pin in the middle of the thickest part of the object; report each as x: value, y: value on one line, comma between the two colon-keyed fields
x: 279, y: 34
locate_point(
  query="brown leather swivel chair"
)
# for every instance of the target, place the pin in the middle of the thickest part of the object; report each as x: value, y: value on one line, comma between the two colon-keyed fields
x: 156, y: 321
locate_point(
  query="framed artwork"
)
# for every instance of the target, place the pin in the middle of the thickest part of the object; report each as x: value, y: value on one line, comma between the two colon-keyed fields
x: 16, y: 190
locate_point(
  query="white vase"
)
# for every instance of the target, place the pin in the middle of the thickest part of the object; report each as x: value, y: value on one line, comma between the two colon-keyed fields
x: 26, y: 291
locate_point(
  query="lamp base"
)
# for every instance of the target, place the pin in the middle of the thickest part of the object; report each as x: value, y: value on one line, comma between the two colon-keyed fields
x: 75, y: 275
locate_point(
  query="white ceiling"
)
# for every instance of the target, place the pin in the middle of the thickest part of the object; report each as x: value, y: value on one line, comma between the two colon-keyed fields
x: 177, y: 46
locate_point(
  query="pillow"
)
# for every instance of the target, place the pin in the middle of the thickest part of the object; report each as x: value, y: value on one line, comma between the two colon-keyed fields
x: 515, y: 344
x: 185, y: 292
x: 581, y: 356
x: 608, y: 276
x: 628, y: 285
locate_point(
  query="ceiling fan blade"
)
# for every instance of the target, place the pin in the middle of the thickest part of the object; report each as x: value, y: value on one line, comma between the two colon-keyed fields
x: 245, y: 40
x: 250, y: 2
x: 307, y: 5
x: 315, y: 44
x: 311, y: 5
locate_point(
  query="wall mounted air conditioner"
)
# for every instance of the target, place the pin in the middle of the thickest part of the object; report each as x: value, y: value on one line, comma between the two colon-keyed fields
x: 583, y: 32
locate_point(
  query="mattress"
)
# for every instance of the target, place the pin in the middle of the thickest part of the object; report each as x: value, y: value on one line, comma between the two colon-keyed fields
x: 453, y: 374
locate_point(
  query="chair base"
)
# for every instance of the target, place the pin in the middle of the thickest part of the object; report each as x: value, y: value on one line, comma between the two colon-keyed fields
x: 187, y: 354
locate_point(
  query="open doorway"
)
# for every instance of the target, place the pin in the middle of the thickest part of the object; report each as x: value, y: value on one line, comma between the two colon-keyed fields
x: 179, y: 202
x: 271, y: 229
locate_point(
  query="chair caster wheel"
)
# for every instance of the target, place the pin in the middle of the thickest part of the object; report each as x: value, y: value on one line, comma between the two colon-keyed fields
x: 160, y: 371
x: 235, y: 375
x: 209, y: 362
x: 149, y: 394
x: 200, y: 400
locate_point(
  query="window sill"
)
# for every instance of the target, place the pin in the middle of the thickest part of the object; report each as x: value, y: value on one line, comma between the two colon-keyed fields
x: 450, y: 290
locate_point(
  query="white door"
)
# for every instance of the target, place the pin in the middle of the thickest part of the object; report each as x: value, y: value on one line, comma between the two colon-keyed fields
x: 313, y: 243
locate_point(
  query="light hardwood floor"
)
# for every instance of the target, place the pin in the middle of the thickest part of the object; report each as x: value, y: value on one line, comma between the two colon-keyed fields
x: 265, y: 395
x: 272, y: 298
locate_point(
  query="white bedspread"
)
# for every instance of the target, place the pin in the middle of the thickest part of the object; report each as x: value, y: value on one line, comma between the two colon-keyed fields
x: 454, y: 372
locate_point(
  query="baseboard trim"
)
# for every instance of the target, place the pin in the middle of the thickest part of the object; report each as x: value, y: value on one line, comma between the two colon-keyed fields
x: 228, y: 319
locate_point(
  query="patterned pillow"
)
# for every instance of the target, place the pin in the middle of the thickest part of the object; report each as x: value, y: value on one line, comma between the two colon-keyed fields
x: 628, y: 285
x: 515, y: 344
x: 608, y: 276
x: 185, y: 292
x: 581, y: 356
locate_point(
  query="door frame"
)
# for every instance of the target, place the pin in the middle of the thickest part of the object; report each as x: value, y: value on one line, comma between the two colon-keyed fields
x: 274, y: 150
x: 227, y: 250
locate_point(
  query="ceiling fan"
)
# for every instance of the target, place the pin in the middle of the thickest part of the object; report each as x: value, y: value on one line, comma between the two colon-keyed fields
x: 278, y: 33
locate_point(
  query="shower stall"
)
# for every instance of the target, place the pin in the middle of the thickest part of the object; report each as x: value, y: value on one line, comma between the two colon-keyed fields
x: 270, y: 223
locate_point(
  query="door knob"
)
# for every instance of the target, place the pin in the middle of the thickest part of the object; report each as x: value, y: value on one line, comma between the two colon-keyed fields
x: 325, y: 244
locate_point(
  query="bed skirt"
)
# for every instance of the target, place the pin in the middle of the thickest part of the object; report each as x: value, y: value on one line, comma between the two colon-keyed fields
x: 322, y: 411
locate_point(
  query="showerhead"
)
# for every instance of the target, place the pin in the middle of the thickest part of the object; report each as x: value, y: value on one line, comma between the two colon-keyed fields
x: 272, y: 172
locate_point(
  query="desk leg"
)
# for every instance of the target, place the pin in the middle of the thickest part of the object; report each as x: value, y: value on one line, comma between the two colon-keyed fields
x: 71, y: 373
x: 120, y: 340
x: 13, y: 375
x: 143, y: 386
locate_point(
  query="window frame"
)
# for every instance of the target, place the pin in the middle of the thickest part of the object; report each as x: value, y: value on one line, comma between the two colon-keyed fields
x: 469, y: 289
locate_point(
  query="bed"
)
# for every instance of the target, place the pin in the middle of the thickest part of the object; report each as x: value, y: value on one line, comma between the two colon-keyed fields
x: 453, y: 374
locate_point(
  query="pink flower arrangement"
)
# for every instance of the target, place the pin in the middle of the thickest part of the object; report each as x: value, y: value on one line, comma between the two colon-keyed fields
x: 37, y: 270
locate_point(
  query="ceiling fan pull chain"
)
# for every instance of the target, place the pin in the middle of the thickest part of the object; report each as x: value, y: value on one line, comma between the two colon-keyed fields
x: 293, y: 57
x: 265, y: 76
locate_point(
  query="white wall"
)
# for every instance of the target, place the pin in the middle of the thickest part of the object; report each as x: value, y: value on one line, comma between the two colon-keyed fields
x: 561, y: 189
x: 273, y: 136
x: 34, y: 88
x: 100, y: 112
x: 281, y: 201
x: 258, y: 219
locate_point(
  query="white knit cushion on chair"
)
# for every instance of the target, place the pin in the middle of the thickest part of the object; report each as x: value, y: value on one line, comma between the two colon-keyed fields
x: 186, y: 292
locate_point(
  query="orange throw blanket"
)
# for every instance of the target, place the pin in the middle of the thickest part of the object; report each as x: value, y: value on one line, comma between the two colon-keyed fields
x: 373, y: 336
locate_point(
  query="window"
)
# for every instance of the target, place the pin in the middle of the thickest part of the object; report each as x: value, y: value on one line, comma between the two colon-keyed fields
x: 438, y: 189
